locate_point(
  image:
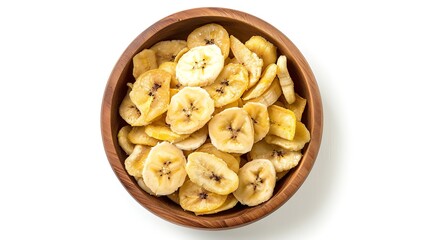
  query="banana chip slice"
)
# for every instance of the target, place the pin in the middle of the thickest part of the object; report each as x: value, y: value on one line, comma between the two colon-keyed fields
x: 232, y: 162
x: 197, y: 199
x: 232, y: 131
x: 285, y: 80
x: 281, y: 158
x: 135, y: 161
x: 199, y: 66
x: 123, y: 140
x: 302, y: 136
x: 189, y: 110
x: 143, y: 62
x: 229, y: 85
x: 257, y: 182
x: 263, y: 48
x: 263, y: 84
x: 211, y: 173
x: 166, y: 51
x: 164, y: 169
x: 209, y: 34
x: 282, y: 122
x: 249, y: 59
x: 137, y: 135
x: 151, y: 94
x: 260, y: 118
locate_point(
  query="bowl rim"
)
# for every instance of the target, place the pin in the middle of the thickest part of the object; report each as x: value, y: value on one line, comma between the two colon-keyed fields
x: 250, y: 214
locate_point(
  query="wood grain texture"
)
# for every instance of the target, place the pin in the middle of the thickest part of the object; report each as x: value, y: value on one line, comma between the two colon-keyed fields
x: 243, y: 26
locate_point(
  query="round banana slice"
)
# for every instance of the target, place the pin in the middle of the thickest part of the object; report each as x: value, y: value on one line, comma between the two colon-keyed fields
x: 261, y: 121
x: 263, y: 48
x: 138, y: 135
x: 208, y: 34
x: 199, y: 66
x: 161, y: 131
x: 229, y: 85
x: 189, y: 110
x: 249, y: 59
x: 257, y: 182
x: 302, y: 136
x: 229, y: 203
x: 282, y: 122
x: 263, y: 84
x: 166, y: 51
x: 123, y: 140
x: 232, y: 162
x: 151, y: 94
x: 164, y: 169
x: 298, y: 106
x: 135, y: 161
x: 197, y: 199
x: 211, y: 173
x: 271, y: 95
x: 285, y: 80
x: 143, y: 62
x: 170, y: 67
x: 281, y: 158
x: 232, y: 131
x: 194, y: 141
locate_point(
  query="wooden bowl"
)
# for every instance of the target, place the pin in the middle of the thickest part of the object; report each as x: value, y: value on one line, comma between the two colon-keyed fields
x: 243, y: 26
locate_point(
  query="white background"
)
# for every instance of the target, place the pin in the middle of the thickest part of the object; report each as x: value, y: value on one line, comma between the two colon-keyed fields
x: 370, y: 59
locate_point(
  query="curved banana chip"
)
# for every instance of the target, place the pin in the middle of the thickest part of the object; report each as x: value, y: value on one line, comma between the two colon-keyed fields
x: 211, y: 173
x: 282, y: 122
x: 189, y: 110
x: 271, y: 95
x: 166, y: 51
x: 229, y: 203
x: 229, y: 85
x: 232, y: 131
x: 263, y: 48
x: 143, y: 186
x: 285, y: 79
x: 164, y: 169
x: 143, y: 62
x: 302, y: 136
x: 232, y: 162
x: 260, y: 119
x: 208, y: 34
x: 197, y: 199
x: 263, y: 84
x: 257, y: 182
x: 281, y: 175
x: 194, y: 141
x: 129, y: 111
x: 137, y: 135
x: 135, y: 161
x: 161, y: 131
x: 170, y: 67
x: 200, y: 66
x: 151, y: 94
x: 249, y: 59
x: 281, y: 158
x: 298, y: 106
x: 123, y: 140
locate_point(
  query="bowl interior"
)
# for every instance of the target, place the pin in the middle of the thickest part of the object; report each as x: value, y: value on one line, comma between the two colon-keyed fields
x: 242, y: 26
